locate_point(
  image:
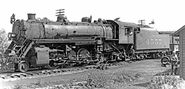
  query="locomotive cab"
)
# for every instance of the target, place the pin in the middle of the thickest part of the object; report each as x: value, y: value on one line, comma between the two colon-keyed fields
x: 123, y: 31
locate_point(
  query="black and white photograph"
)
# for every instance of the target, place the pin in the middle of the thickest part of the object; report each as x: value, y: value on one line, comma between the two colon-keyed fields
x: 92, y: 44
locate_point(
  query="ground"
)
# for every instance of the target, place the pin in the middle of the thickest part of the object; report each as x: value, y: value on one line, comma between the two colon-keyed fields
x: 135, y: 75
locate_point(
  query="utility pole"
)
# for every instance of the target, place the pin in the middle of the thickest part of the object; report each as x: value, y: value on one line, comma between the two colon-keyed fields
x: 142, y: 22
x: 60, y: 15
x: 60, y: 12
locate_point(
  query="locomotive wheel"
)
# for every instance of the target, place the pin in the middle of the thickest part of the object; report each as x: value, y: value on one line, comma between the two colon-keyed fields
x: 23, y: 67
x: 84, y: 55
x: 72, y: 55
x: 165, y: 61
x: 114, y: 56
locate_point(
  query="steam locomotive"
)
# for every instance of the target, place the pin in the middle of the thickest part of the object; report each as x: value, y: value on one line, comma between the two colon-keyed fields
x: 38, y: 43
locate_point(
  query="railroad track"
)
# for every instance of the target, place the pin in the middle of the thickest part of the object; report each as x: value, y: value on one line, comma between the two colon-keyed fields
x: 54, y: 72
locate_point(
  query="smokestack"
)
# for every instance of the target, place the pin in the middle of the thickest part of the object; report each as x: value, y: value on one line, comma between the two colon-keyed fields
x: 31, y: 16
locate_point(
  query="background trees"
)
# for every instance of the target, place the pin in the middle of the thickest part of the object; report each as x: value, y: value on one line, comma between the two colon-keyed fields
x: 3, y: 40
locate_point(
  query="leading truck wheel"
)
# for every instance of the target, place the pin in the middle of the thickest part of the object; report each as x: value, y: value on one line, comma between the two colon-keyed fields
x: 23, y: 67
x: 52, y: 65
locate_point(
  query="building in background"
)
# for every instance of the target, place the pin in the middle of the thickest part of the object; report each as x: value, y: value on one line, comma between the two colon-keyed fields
x: 174, y: 40
x: 181, y: 34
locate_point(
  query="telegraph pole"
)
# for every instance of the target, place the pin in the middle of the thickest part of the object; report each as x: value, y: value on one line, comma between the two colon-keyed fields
x: 60, y: 15
x: 142, y: 22
x: 60, y: 12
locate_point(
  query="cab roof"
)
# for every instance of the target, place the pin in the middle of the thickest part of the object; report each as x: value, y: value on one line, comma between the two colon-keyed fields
x: 126, y: 24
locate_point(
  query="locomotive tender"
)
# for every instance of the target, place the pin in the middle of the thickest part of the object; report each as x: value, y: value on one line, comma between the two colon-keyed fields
x: 39, y: 43
x: 151, y: 43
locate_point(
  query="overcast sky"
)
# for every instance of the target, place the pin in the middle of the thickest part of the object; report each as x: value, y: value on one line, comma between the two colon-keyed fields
x: 168, y: 15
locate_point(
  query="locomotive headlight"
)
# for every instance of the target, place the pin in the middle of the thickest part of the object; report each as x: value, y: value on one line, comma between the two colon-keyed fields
x: 13, y: 35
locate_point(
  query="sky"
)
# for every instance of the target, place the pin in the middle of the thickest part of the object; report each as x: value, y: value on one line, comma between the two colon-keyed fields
x: 168, y: 15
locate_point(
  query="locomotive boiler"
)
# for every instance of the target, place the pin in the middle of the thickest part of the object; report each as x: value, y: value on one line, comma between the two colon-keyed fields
x: 44, y: 43
x: 34, y: 29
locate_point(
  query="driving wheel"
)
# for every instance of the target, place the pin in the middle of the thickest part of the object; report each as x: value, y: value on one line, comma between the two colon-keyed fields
x: 23, y: 67
x: 84, y: 55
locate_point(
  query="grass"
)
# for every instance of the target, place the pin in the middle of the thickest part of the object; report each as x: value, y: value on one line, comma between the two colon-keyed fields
x: 18, y: 87
x: 97, y: 80
x: 119, y: 80
x: 112, y: 80
x: 165, y: 82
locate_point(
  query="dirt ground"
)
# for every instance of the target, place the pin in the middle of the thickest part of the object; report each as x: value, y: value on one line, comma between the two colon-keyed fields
x: 135, y: 75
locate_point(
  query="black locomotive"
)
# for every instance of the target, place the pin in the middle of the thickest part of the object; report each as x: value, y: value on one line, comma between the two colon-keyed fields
x: 38, y: 43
